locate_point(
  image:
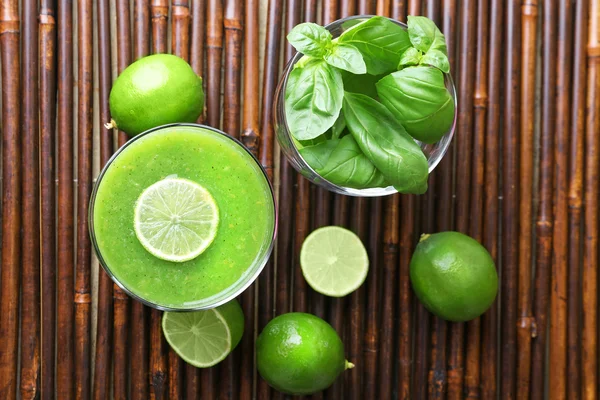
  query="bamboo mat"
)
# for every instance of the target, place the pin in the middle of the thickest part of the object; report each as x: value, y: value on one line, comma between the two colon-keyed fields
x: 522, y: 177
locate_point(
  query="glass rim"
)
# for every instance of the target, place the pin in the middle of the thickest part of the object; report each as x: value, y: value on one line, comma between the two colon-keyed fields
x: 369, y: 192
x: 220, y: 300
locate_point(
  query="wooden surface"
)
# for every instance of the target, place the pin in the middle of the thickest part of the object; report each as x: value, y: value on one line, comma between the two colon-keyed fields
x: 522, y: 177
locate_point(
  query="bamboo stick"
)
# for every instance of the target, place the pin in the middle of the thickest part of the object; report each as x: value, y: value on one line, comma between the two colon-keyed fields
x: 437, y: 373
x: 329, y: 11
x: 575, y: 194
x: 472, y: 373
x: 589, y: 338
x: 414, y: 7
x: 301, y: 230
x: 558, y: 296
x: 490, y: 228
x: 180, y: 31
x: 47, y: 77
x: 510, y: 196
x: 359, y: 225
x: 463, y: 170
x: 64, y: 223
x: 407, y: 233
x: 84, y: 176
x: 180, y: 13
x: 138, y: 333
x: 198, y: 30
x: 285, y: 261
x: 383, y: 7
x: 347, y: 8
x: 387, y: 306
x: 233, y: 24
x: 158, y: 367
x: 141, y: 28
x: 214, y: 46
x: 422, y: 321
x: 11, y: 198
x: 525, y: 323
x: 30, y: 244
x: 366, y: 7
x: 337, y: 305
x: 102, y: 361
x: 310, y: 10
x: 159, y: 14
x: 398, y: 10
x: 372, y: 354
x: 175, y: 379
x: 373, y: 288
x: 120, y: 299
x: 250, y: 138
x: 544, y: 219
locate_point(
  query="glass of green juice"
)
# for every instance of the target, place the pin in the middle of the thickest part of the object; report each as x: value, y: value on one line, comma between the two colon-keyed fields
x: 246, y: 208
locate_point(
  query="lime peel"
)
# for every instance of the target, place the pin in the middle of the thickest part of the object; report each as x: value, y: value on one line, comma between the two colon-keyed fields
x: 349, y: 365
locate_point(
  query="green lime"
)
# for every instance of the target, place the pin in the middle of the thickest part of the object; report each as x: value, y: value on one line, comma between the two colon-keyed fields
x: 334, y: 261
x: 155, y: 90
x: 453, y: 276
x: 176, y: 219
x: 300, y: 354
x: 204, y: 338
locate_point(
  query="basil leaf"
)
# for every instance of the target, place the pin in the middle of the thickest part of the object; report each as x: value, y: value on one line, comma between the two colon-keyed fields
x: 364, y: 84
x: 314, y: 100
x: 380, y: 41
x: 436, y: 59
x: 346, y: 57
x: 310, y: 39
x: 338, y: 128
x: 425, y: 35
x: 418, y: 98
x: 317, y: 156
x: 348, y: 166
x: 410, y: 57
x: 386, y: 144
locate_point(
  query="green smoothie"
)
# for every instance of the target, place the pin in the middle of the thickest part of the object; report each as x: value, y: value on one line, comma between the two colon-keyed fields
x: 240, y: 190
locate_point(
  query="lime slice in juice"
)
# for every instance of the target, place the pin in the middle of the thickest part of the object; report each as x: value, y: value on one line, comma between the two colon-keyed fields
x: 176, y: 219
x: 204, y: 338
x: 334, y: 261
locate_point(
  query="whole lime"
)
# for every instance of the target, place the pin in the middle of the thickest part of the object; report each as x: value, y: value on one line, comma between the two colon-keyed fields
x: 155, y: 90
x: 453, y: 276
x: 300, y: 354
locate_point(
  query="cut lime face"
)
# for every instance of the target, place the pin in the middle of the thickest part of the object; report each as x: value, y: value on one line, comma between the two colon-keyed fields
x: 204, y: 338
x: 176, y: 219
x: 334, y: 261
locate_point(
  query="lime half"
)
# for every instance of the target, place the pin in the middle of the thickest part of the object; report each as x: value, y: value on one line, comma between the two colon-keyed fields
x: 204, y: 338
x: 176, y: 219
x: 334, y: 261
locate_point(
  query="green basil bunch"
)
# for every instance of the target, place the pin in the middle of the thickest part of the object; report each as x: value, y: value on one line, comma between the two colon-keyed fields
x: 353, y: 103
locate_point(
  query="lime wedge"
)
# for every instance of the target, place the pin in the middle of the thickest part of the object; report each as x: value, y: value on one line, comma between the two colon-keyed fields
x: 176, y: 219
x: 334, y: 261
x: 204, y: 338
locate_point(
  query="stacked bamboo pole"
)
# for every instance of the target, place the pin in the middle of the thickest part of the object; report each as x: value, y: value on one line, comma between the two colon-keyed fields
x: 47, y: 81
x: 559, y: 280
x: 30, y: 243
x: 11, y: 198
x: 589, y: 335
x: 489, y: 353
x: 101, y: 389
x: 138, y: 333
x: 84, y: 184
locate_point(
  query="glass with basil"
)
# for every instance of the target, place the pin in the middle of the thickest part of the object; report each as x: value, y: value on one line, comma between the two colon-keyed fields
x: 367, y: 107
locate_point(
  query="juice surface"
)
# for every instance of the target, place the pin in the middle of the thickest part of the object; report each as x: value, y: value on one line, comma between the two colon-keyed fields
x: 239, y: 188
